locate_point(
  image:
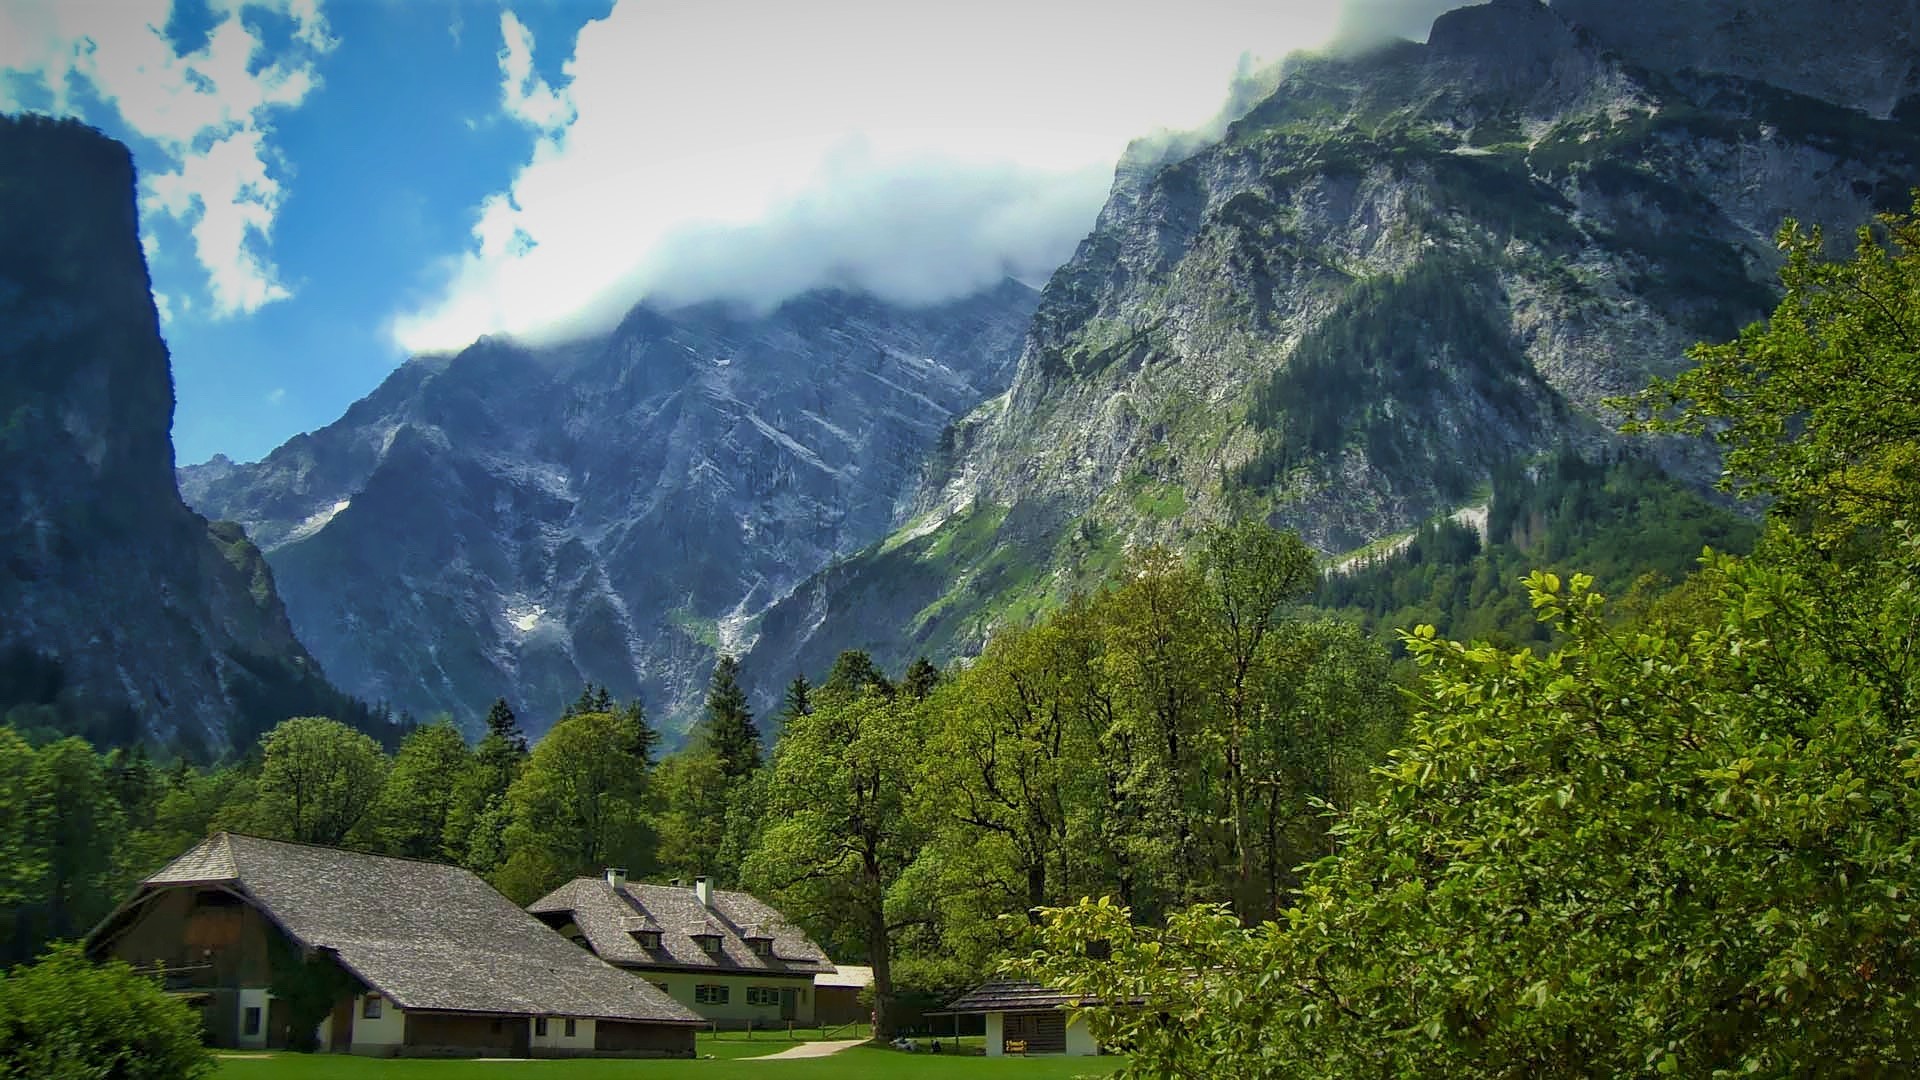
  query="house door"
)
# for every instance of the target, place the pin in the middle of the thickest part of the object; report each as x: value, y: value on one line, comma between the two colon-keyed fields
x: 340, y: 1030
x: 522, y: 1036
x: 789, y: 1004
x: 278, y: 1037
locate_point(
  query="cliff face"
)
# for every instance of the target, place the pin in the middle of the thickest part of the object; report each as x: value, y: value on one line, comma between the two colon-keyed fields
x: 513, y: 523
x: 138, y: 612
x: 1864, y: 54
x: 1397, y: 272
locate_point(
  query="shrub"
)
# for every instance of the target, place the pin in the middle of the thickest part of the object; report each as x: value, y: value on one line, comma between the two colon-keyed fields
x: 65, y: 1018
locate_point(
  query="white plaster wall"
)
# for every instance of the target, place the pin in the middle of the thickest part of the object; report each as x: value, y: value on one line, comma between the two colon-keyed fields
x: 996, y: 1046
x: 378, y: 1036
x: 680, y: 986
x: 252, y: 998
x: 1080, y: 1041
x: 556, y: 1036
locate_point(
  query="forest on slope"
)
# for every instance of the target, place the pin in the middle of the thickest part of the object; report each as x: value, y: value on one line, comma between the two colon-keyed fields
x: 1678, y: 840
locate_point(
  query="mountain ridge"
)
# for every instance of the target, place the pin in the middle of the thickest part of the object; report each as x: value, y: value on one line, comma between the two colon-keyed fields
x: 514, y: 522
x: 1397, y: 272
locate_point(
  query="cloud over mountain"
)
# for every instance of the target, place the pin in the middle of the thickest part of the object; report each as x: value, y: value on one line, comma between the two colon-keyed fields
x: 745, y: 150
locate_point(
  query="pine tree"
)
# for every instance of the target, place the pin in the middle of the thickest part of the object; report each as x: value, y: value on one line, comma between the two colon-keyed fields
x: 920, y: 679
x: 728, y: 728
x: 502, y: 722
x: 799, y: 701
x: 646, y: 739
x: 854, y: 673
x: 593, y: 698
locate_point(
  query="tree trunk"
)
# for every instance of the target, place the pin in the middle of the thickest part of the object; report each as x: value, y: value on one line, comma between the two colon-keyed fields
x: 880, y: 955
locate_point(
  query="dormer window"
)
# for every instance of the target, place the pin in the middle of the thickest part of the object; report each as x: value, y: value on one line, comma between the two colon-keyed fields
x: 709, y: 943
x: 643, y: 929
x: 761, y: 946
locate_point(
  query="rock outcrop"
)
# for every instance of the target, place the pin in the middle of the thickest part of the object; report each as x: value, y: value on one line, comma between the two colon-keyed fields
x: 136, y: 618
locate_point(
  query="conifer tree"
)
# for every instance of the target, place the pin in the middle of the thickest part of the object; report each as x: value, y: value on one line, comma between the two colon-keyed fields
x: 502, y: 723
x: 646, y: 739
x: 799, y: 700
x: 728, y: 727
x: 920, y: 679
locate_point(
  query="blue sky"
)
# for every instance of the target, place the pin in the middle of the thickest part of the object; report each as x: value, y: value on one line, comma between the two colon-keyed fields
x: 328, y: 187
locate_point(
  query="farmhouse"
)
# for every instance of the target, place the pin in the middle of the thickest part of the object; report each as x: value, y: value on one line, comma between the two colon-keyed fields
x: 389, y: 957
x: 725, y: 955
x: 1027, y: 1018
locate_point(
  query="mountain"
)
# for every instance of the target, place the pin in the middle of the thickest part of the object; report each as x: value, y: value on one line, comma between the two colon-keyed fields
x: 1399, y: 273
x: 514, y: 522
x: 127, y: 614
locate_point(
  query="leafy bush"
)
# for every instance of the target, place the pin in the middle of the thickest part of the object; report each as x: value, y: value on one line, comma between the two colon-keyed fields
x: 64, y: 1018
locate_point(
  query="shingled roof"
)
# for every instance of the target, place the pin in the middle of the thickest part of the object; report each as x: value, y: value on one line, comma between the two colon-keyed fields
x: 1010, y: 995
x: 604, y: 916
x: 426, y: 935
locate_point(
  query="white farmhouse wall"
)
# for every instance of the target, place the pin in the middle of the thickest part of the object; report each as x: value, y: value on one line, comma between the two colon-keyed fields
x: 556, y: 1036
x: 1080, y: 1040
x: 680, y: 986
x: 251, y: 998
x: 380, y: 1035
x: 996, y: 1026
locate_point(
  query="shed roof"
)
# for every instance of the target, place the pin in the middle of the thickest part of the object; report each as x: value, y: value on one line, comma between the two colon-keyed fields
x: 427, y: 935
x: 601, y: 913
x: 1011, y: 995
x: 850, y: 976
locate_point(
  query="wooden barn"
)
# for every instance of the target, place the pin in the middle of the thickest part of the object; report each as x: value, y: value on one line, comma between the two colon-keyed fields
x: 404, y: 957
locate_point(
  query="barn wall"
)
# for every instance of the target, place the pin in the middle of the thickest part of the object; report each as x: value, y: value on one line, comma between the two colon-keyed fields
x: 638, y: 1039
x: 443, y: 1035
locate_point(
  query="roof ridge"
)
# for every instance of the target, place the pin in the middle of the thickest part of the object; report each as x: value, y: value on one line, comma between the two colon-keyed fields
x: 228, y: 834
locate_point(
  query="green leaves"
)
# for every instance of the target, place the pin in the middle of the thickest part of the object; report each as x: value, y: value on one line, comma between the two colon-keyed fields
x: 65, y: 1018
x: 318, y: 780
x: 1684, y: 846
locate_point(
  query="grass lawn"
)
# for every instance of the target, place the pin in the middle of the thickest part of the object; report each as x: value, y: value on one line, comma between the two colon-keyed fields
x: 860, y: 1063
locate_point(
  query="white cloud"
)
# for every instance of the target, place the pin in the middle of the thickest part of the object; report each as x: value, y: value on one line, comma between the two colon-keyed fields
x: 525, y: 95
x: 277, y: 396
x: 749, y: 149
x: 208, y: 112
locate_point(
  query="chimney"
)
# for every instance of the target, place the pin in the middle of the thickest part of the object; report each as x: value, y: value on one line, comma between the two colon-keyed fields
x: 703, y: 890
x: 616, y: 877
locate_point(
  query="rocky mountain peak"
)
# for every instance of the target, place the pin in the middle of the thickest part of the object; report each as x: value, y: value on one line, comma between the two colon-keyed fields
x: 513, y: 522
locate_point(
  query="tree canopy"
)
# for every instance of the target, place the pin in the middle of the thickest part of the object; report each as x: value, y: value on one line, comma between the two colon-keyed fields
x: 1685, y: 844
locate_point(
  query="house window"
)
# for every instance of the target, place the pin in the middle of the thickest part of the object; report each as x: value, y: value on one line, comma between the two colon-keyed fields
x: 761, y: 946
x: 662, y: 987
x: 250, y: 1021
x: 762, y: 995
x: 710, y: 995
x: 370, y: 1007
x: 540, y: 1025
x: 709, y: 943
x: 570, y: 1031
x: 649, y: 939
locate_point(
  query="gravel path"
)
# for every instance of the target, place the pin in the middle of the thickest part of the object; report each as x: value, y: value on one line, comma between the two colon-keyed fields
x: 810, y: 1050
